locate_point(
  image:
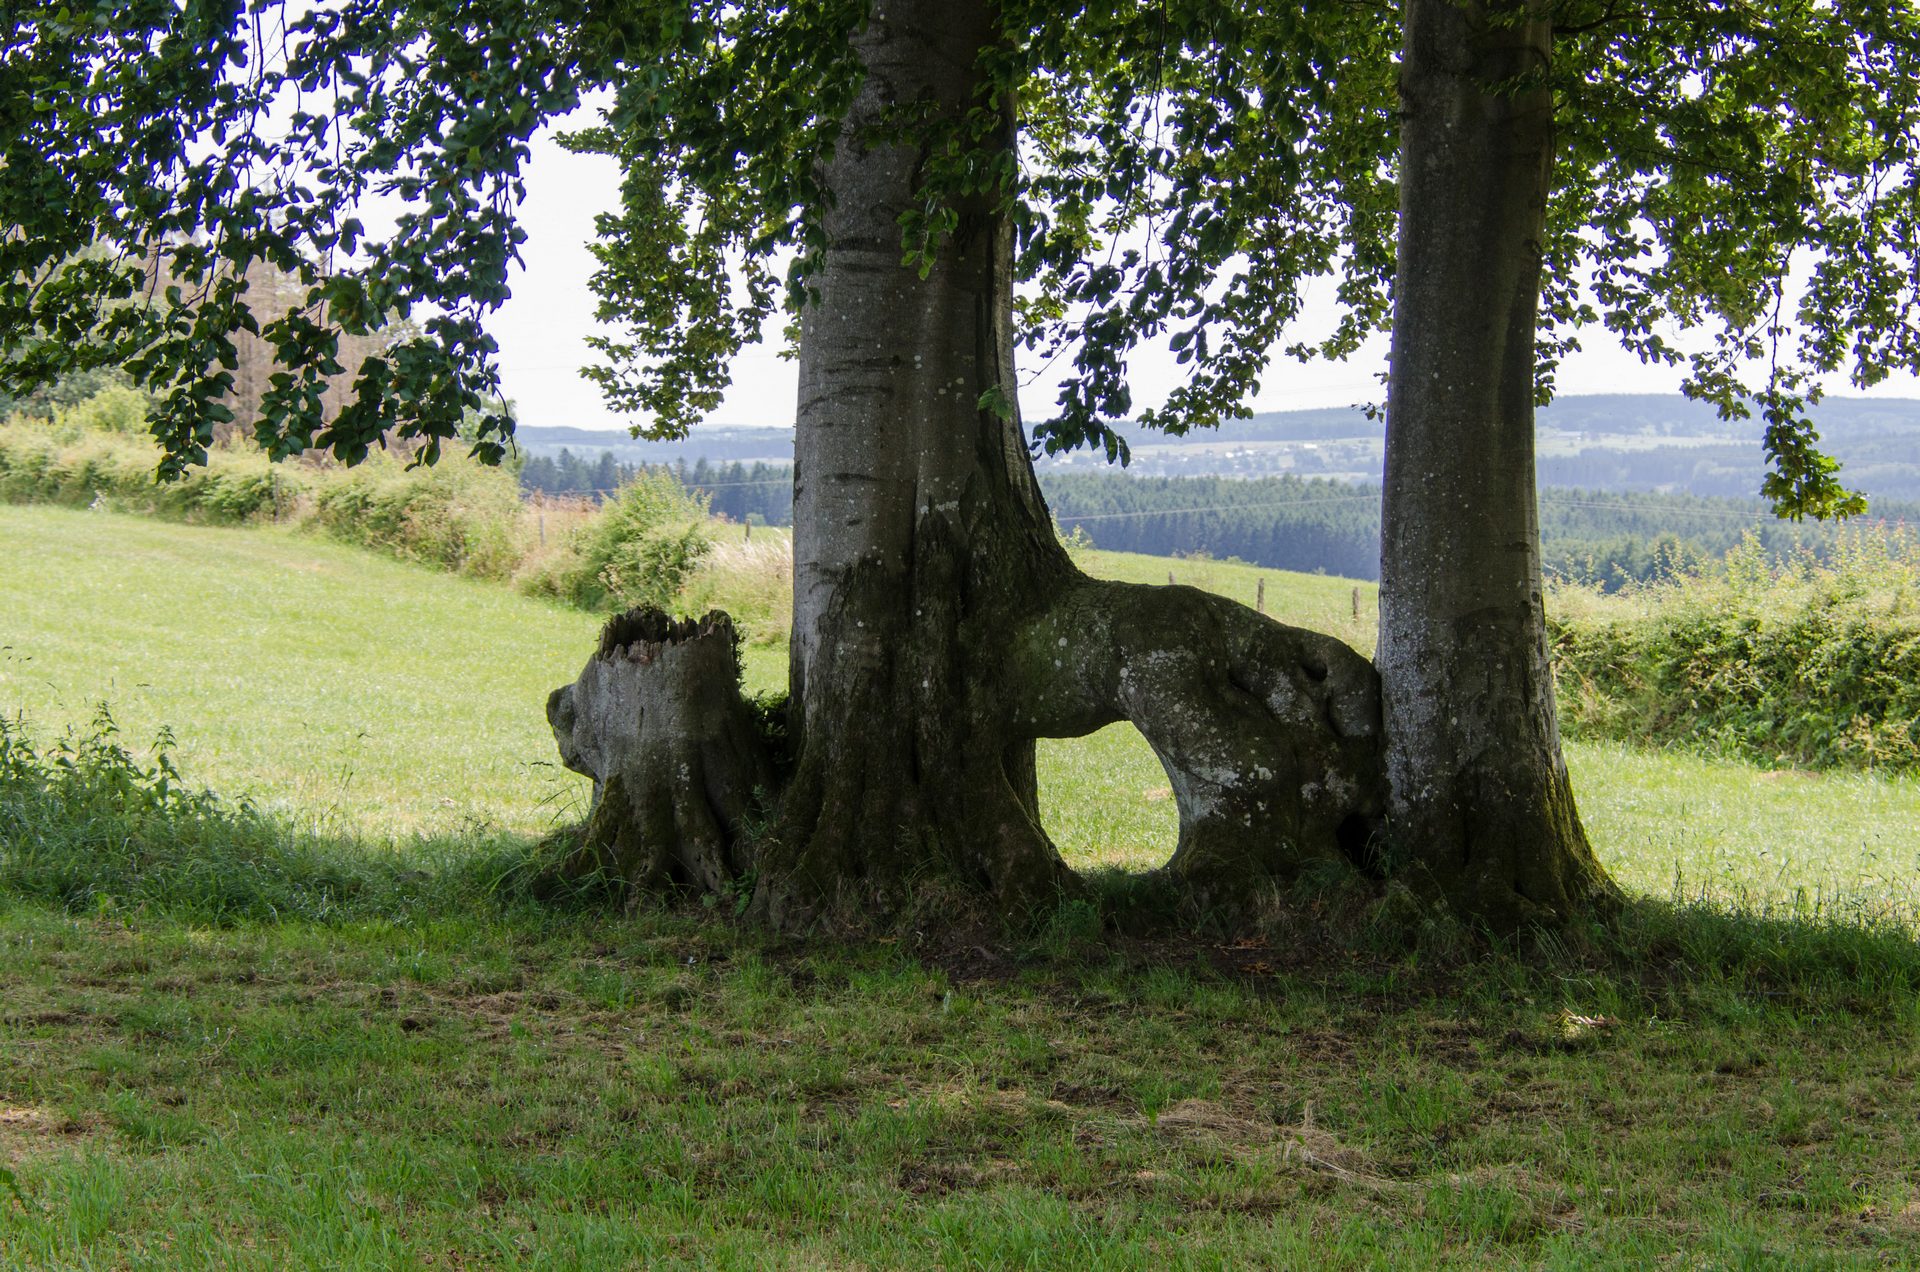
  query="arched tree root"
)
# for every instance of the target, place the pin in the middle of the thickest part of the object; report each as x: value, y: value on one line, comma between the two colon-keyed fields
x: 1270, y: 734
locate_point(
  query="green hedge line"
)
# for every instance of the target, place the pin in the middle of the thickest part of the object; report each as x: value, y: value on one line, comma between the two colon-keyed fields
x: 641, y: 547
x: 51, y: 465
x: 1808, y: 665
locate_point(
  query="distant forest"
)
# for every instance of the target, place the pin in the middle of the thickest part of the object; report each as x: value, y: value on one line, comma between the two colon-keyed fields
x: 1286, y: 523
x: 1290, y: 523
x: 739, y: 492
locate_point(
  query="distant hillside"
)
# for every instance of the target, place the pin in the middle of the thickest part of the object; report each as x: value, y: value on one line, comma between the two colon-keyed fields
x: 1607, y: 442
x: 725, y: 443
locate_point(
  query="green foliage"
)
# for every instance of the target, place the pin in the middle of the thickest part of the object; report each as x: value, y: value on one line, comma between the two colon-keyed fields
x: 1797, y: 664
x: 459, y: 515
x: 96, y: 829
x: 760, y: 493
x: 65, y: 462
x: 1188, y: 169
x: 1606, y: 538
x: 640, y: 550
x: 114, y: 409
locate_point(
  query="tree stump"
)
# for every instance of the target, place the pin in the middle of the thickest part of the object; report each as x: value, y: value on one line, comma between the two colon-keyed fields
x: 657, y: 721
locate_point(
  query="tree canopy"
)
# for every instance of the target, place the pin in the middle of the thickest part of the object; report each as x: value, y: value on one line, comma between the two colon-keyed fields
x: 1744, y: 172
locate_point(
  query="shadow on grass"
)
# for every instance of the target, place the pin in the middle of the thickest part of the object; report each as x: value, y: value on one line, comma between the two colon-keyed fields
x: 87, y: 826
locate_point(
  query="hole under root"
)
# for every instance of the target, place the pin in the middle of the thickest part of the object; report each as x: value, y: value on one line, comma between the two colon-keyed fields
x: 1106, y: 802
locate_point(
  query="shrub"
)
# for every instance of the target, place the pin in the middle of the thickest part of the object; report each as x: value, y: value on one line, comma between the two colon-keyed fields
x: 458, y: 515
x: 640, y: 549
x: 753, y: 581
x: 87, y: 825
x: 114, y: 409
x: 1807, y: 664
x: 60, y: 463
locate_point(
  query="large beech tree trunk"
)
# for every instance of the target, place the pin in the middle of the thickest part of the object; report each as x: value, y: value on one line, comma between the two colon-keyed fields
x: 920, y: 536
x: 1480, y: 799
x: 939, y: 628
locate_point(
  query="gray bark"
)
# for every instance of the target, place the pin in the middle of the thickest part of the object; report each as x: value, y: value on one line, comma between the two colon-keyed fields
x: 1270, y: 735
x: 1480, y: 800
x: 932, y: 599
x: 657, y: 721
x: 919, y: 529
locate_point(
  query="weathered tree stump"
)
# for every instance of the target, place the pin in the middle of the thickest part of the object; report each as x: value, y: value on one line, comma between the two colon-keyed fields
x: 657, y: 721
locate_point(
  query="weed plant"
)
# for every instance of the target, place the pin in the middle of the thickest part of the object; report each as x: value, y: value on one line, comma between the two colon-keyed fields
x: 230, y: 1039
x: 459, y: 515
x: 1799, y: 664
x: 94, y: 828
x: 642, y: 547
x: 640, y: 550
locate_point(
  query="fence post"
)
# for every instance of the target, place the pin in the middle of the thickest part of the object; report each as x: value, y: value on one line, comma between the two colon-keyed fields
x: 1260, y: 597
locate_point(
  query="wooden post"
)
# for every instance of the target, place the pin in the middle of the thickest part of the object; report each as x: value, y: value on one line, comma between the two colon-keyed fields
x: 1260, y: 597
x: 749, y: 534
x: 1169, y: 578
x: 1356, y: 602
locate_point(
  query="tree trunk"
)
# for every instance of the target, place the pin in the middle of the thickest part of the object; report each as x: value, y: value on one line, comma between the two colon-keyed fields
x: 1270, y: 735
x: 939, y: 627
x: 920, y: 536
x: 657, y: 721
x: 1479, y: 796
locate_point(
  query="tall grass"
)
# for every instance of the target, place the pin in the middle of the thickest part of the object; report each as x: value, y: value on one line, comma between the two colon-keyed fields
x: 751, y: 577
x: 640, y: 547
x: 458, y: 516
x: 92, y: 826
x: 1803, y: 663
x: 63, y: 463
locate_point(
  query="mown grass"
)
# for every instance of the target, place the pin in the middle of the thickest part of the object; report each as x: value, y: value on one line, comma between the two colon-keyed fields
x: 367, y: 1055
x: 352, y: 694
x: 530, y: 1088
x: 323, y: 681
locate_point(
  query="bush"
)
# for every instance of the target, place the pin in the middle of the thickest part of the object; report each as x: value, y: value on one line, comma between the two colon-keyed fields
x: 1804, y: 664
x: 458, y: 515
x: 61, y: 463
x: 114, y: 409
x: 753, y: 581
x: 640, y: 550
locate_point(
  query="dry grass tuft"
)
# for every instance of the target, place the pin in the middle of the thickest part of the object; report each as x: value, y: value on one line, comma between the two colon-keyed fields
x: 1302, y: 1147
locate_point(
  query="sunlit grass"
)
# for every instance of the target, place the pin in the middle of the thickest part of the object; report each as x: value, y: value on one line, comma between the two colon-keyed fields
x: 377, y: 698
x: 322, y: 681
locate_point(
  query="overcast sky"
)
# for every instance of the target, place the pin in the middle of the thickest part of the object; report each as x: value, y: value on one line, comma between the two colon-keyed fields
x: 542, y: 332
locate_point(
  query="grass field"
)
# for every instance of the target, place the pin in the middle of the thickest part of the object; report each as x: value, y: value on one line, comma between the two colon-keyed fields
x: 456, y: 1077
x: 377, y: 699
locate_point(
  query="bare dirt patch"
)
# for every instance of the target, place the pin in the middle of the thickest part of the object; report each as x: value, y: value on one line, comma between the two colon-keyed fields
x: 27, y: 1132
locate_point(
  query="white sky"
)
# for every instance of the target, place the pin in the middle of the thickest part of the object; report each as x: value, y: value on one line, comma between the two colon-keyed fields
x: 542, y: 332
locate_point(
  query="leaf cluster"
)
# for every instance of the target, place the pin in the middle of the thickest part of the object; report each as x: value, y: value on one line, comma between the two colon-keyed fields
x: 1183, y: 171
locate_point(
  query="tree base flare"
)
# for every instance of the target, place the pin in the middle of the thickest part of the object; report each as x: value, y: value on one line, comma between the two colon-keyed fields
x: 657, y: 721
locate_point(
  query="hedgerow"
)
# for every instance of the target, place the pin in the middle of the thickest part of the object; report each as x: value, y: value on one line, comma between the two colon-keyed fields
x: 1800, y: 664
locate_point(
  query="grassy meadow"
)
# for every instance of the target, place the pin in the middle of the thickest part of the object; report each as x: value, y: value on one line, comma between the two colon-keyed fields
x: 392, y: 1057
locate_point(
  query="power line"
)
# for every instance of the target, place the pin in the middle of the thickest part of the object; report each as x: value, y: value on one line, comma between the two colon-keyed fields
x: 1237, y: 507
